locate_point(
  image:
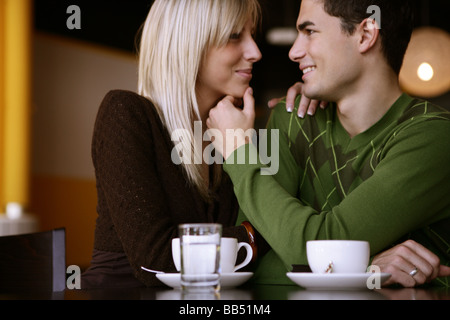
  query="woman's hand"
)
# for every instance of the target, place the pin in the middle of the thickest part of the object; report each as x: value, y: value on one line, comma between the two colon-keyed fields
x: 410, y: 264
x: 307, y: 106
x: 227, y: 121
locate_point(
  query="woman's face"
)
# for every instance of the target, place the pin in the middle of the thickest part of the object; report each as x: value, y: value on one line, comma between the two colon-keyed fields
x: 228, y: 70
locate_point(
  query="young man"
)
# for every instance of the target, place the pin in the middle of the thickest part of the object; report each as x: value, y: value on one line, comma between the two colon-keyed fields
x: 373, y: 166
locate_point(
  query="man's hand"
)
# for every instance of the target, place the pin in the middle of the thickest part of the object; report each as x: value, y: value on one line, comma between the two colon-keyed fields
x: 402, y: 260
x: 227, y: 118
x: 306, y: 106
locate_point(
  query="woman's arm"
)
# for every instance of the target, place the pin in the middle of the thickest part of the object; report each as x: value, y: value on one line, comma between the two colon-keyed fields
x: 131, y: 195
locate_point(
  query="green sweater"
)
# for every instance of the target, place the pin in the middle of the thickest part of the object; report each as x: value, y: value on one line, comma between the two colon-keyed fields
x: 386, y: 184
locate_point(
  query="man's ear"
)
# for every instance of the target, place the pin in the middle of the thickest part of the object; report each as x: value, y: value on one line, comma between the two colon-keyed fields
x: 369, y: 32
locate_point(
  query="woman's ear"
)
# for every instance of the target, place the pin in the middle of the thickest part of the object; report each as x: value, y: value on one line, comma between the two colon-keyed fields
x: 369, y: 32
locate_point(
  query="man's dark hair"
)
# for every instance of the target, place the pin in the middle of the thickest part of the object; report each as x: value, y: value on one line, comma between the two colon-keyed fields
x: 397, y: 20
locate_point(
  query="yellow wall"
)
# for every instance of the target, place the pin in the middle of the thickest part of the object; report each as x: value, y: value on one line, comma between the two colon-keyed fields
x: 17, y: 100
x: 2, y: 96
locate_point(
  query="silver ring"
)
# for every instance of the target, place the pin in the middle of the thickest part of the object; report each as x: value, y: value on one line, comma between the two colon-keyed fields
x: 413, y: 272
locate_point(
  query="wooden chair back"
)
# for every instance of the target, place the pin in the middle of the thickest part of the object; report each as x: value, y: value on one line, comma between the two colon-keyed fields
x: 34, y: 261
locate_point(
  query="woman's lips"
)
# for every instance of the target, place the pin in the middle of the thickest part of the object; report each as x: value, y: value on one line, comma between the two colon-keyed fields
x: 245, y: 73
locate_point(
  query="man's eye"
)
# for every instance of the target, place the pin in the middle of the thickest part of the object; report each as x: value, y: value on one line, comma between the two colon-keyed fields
x: 309, y: 31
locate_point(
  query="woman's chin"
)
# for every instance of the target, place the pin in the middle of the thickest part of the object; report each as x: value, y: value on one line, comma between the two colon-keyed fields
x: 239, y: 94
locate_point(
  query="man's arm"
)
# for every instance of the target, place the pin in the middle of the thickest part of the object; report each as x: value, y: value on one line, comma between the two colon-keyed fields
x: 407, y: 191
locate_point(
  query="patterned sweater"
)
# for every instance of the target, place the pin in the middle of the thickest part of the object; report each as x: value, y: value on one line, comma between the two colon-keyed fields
x: 386, y: 184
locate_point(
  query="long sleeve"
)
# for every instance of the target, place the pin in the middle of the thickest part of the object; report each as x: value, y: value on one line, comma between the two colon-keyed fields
x: 142, y: 195
x: 407, y: 190
x: 132, y: 203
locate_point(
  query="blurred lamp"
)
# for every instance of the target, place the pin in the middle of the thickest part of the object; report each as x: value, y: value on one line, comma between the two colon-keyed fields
x: 426, y: 67
x: 282, y: 36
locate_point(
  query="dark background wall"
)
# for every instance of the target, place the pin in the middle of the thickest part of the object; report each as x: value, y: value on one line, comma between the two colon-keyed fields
x: 116, y: 23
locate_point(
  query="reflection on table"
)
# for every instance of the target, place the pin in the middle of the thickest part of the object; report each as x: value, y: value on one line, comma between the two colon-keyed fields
x: 261, y: 292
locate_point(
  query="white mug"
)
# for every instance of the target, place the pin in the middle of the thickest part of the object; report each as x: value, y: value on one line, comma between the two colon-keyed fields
x: 338, y: 256
x: 229, y: 249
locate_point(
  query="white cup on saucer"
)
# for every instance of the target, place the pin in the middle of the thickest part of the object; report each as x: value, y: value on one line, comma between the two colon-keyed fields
x: 229, y: 248
x: 338, y: 256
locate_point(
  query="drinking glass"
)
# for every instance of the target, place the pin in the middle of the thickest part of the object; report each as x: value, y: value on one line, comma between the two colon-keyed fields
x: 200, y: 256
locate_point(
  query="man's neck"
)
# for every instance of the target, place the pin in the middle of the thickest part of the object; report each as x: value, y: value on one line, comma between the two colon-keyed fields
x: 367, y: 103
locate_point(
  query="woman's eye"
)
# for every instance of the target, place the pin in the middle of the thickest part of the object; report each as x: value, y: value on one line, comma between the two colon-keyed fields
x: 235, y: 36
x: 309, y: 31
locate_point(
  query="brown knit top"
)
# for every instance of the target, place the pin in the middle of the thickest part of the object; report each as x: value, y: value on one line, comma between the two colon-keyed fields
x: 143, y: 195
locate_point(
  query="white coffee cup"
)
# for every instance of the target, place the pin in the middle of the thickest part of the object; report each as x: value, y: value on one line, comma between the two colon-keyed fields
x: 229, y: 249
x: 338, y: 256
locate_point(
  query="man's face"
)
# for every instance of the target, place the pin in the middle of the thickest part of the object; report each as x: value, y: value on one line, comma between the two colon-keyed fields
x: 328, y: 57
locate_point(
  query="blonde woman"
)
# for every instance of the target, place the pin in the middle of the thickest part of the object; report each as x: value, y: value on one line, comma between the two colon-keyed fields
x: 150, y: 171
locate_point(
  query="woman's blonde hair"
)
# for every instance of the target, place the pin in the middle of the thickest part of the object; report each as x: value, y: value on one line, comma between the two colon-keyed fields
x: 176, y: 37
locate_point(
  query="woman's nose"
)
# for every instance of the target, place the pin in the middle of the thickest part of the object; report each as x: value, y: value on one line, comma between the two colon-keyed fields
x: 253, y: 53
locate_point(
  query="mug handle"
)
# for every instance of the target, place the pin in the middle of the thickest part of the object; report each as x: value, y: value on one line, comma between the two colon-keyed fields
x: 247, y: 259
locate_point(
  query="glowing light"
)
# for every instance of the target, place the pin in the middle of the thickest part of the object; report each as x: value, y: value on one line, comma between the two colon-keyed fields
x: 425, y: 72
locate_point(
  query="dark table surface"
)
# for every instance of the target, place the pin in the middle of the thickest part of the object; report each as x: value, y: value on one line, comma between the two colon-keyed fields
x: 248, y: 302
x: 243, y: 293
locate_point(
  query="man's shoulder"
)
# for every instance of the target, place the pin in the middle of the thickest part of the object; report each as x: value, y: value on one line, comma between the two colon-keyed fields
x: 426, y: 124
x: 423, y: 110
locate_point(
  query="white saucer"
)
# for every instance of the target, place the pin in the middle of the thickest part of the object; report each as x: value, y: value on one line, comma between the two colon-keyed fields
x: 227, y: 280
x: 335, y: 281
